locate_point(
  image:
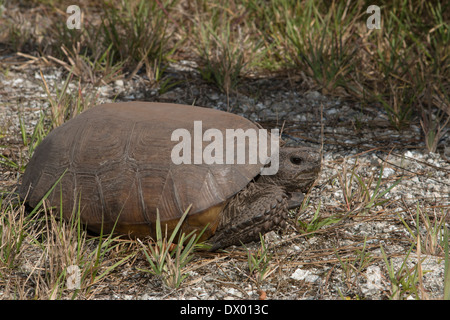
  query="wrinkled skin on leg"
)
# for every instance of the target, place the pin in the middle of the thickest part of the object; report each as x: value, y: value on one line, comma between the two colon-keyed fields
x: 243, y: 220
x: 263, y: 205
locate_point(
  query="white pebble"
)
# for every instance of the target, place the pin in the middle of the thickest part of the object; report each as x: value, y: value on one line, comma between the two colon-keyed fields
x: 305, y: 275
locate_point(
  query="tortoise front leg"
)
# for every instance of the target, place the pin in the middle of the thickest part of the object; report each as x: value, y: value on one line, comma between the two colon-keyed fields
x: 257, y: 209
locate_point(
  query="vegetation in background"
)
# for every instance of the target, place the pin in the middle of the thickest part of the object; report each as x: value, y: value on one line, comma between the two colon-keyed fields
x: 403, y: 67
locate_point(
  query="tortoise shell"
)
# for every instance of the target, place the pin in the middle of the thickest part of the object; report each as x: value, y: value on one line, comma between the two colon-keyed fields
x: 115, y: 163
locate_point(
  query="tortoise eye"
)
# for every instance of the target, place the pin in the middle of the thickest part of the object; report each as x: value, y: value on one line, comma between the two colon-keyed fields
x: 296, y: 160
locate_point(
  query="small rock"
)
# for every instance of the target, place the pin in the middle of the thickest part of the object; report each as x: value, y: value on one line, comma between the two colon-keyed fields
x: 373, y: 275
x: 118, y: 83
x: 17, y: 81
x: 332, y: 111
x: 104, y: 90
x: 305, y: 275
x: 409, y: 154
x: 232, y: 293
x: 313, y: 95
x: 260, y: 106
x: 387, y: 172
x: 146, y: 296
x: 214, y: 96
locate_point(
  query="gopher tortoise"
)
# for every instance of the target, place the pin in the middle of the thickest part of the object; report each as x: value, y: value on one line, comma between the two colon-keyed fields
x: 114, y: 164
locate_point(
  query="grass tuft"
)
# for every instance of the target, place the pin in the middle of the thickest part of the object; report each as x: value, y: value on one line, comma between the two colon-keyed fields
x: 166, y: 261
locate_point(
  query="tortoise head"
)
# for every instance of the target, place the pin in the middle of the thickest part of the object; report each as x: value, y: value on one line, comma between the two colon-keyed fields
x: 298, y: 169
